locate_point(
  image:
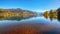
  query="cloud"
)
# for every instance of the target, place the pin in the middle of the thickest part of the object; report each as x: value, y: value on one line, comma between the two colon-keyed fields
x: 39, y: 10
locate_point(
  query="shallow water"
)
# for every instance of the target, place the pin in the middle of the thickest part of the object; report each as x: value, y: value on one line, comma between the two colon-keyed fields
x: 33, y: 25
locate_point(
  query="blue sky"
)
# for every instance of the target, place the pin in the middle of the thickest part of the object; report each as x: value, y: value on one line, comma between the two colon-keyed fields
x: 34, y: 5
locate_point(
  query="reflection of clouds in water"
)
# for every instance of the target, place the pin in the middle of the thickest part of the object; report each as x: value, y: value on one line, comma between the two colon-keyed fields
x: 8, y: 22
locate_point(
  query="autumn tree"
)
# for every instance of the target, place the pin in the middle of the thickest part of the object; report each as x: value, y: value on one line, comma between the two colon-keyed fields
x: 46, y: 14
x: 55, y: 14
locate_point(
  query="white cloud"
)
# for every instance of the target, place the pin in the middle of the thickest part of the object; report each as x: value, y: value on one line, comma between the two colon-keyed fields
x: 39, y: 10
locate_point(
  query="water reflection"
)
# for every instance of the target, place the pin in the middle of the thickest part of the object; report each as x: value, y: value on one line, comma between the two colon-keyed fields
x: 53, y: 17
x: 35, y: 25
x: 13, y: 18
x: 59, y: 17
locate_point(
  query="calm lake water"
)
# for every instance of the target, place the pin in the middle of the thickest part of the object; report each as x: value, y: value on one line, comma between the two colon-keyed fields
x: 33, y: 25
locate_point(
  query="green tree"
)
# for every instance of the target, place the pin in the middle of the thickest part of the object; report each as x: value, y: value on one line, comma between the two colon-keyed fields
x: 1, y: 10
x: 51, y: 13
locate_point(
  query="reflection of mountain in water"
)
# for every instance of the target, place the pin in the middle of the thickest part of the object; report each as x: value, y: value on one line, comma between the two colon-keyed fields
x: 14, y: 18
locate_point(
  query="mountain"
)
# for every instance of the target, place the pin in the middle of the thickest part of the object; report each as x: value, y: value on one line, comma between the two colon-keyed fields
x: 14, y: 10
x: 19, y: 12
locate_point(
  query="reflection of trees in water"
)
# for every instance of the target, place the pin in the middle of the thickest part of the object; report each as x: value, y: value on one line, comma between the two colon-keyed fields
x: 46, y: 17
x: 52, y: 17
x: 1, y: 17
x: 59, y: 17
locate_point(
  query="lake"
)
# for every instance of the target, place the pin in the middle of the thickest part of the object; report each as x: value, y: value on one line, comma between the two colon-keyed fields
x: 33, y: 25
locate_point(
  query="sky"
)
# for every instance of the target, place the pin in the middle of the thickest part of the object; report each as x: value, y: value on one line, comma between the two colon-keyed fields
x: 33, y: 5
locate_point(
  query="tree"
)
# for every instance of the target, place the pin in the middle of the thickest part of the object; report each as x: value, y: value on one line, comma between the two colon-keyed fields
x: 46, y: 14
x: 1, y: 10
x: 51, y: 13
x: 55, y: 14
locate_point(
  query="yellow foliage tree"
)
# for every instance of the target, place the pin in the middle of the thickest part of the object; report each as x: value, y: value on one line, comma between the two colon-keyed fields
x: 46, y: 14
